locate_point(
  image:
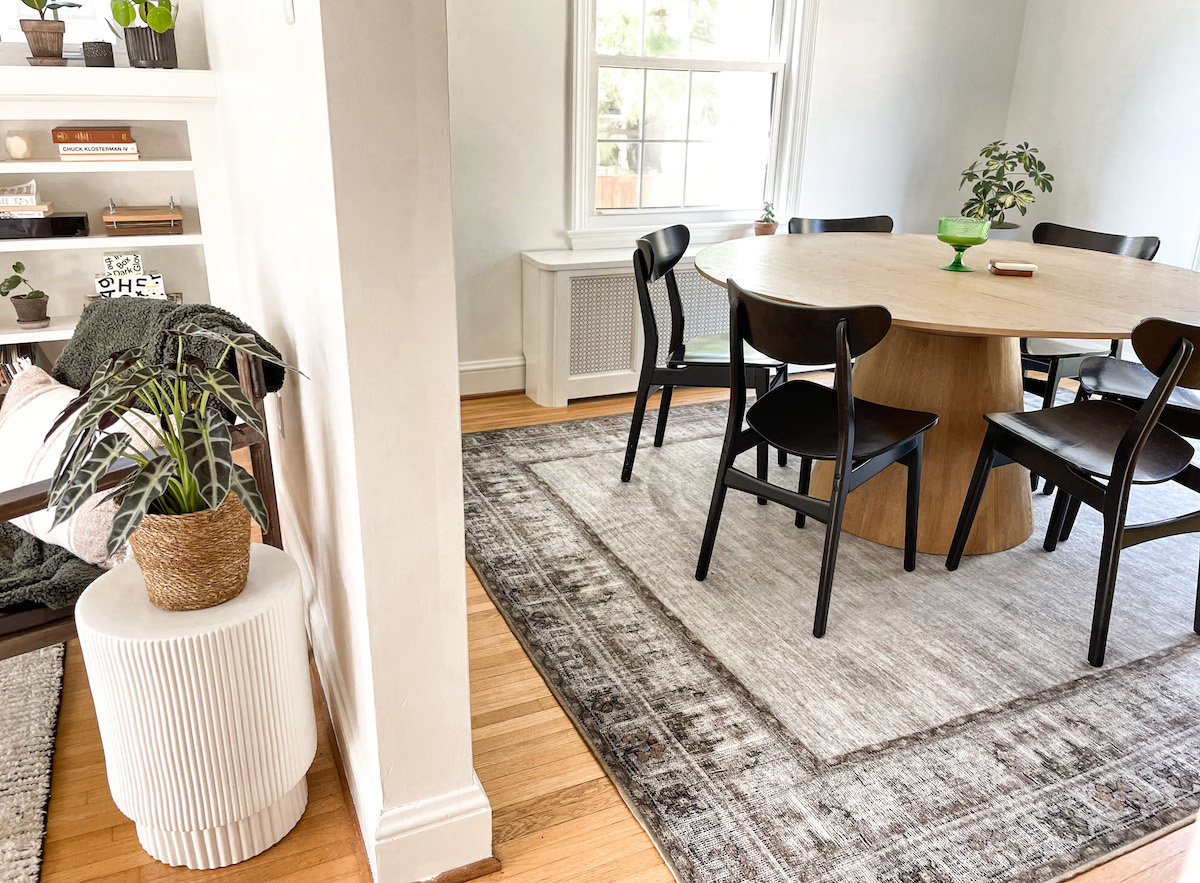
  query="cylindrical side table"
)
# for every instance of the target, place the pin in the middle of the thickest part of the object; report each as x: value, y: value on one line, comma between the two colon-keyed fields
x: 206, y: 716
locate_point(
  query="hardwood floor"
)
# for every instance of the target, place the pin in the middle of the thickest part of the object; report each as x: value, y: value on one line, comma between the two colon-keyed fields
x: 556, y: 815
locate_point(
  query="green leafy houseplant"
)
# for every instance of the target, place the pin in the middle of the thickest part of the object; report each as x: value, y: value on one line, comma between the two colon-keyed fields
x: 159, y: 15
x: 765, y: 225
x: 184, y: 464
x: 41, y: 6
x: 768, y: 214
x: 9, y: 285
x: 998, y: 186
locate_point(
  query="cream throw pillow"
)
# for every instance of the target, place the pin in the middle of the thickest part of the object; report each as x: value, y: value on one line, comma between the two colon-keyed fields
x: 33, y: 403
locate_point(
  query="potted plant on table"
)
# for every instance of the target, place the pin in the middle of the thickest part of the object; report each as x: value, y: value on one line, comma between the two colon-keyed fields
x: 766, y: 225
x: 45, y: 38
x: 186, y: 507
x: 31, y: 306
x: 998, y: 180
x: 151, y: 45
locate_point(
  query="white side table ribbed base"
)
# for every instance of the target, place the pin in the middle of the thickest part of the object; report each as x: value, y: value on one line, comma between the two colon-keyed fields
x: 206, y: 716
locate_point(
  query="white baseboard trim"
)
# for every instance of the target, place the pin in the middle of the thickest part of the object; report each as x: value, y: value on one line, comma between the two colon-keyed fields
x: 491, y: 375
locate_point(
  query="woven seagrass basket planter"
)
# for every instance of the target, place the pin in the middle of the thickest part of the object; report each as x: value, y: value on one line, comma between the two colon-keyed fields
x: 190, y: 562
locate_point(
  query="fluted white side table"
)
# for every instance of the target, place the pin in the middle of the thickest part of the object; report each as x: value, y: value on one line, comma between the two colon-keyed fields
x: 206, y: 716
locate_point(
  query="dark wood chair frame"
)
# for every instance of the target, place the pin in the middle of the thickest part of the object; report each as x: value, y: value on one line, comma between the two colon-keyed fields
x: 1166, y: 348
x: 871, y: 224
x: 31, y: 627
x: 655, y: 258
x: 808, y: 335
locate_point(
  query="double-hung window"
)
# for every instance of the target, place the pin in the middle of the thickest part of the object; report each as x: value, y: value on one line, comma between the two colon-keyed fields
x: 678, y: 107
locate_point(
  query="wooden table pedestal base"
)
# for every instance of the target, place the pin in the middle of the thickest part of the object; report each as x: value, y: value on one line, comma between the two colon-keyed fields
x: 959, y: 379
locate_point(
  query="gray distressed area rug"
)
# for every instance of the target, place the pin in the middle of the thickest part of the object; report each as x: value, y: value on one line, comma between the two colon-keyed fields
x: 946, y: 728
x: 30, y: 692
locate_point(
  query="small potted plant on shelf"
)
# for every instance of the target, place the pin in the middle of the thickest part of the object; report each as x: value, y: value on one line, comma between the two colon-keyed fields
x: 998, y: 186
x: 766, y: 225
x: 45, y: 37
x: 151, y: 45
x: 186, y: 508
x: 30, y: 306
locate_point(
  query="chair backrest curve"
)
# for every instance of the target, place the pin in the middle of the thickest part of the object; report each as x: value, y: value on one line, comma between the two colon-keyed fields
x: 1143, y: 247
x: 872, y: 224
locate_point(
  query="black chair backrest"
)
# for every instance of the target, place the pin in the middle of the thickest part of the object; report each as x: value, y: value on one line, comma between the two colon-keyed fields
x: 1143, y: 247
x: 1156, y: 340
x: 873, y: 224
x: 656, y: 256
x: 662, y: 249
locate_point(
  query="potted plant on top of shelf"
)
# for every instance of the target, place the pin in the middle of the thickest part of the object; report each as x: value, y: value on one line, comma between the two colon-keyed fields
x: 45, y: 37
x: 151, y: 45
x: 31, y: 306
x: 997, y: 186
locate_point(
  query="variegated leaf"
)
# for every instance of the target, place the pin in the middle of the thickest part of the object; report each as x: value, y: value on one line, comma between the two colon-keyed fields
x: 115, y: 393
x: 208, y: 453
x: 246, y: 489
x: 81, y: 481
x: 224, y: 386
x: 242, y: 342
x: 149, y: 484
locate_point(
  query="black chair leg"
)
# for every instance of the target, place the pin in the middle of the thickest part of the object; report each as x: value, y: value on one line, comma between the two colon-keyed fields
x: 781, y: 377
x: 833, y: 533
x: 805, y: 476
x: 664, y: 405
x: 761, y: 385
x: 1069, y: 521
x: 1106, y: 582
x: 1058, y: 518
x: 983, y: 468
x: 1196, y: 618
x: 913, y: 462
x: 1053, y: 381
x: 635, y: 424
x: 714, y: 521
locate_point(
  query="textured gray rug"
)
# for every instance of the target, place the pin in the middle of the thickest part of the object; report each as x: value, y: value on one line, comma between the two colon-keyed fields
x: 30, y: 691
x: 947, y: 728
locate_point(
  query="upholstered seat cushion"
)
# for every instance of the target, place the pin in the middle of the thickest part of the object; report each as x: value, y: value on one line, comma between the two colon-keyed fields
x: 1061, y: 346
x: 714, y: 348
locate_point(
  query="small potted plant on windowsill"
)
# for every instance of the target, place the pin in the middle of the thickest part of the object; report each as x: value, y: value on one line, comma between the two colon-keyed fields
x: 31, y: 306
x: 152, y: 45
x: 45, y: 37
x: 998, y: 187
x: 766, y: 225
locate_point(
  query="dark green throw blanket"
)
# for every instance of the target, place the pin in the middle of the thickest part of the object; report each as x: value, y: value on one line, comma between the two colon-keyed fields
x: 113, y: 325
x: 33, y: 571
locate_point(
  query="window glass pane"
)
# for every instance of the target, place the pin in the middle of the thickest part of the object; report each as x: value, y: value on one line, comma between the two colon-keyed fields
x: 662, y: 174
x: 666, y: 105
x: 731, y: 105
x: 728, y: 174
x: 619, y: 109
x: 619, y: 27
x: 666, y: 28
x: 617, y: 165
x: 731, y: 29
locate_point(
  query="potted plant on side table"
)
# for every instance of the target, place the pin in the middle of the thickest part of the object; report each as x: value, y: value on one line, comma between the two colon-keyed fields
x: 766, y: 225
x: 998, y: 186
x: 45, y: 37
x: 152, y: 45
x: 186, y: 507
x: 31, y: 306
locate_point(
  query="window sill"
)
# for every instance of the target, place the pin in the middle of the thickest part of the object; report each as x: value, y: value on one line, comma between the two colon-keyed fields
x: 621, y: 237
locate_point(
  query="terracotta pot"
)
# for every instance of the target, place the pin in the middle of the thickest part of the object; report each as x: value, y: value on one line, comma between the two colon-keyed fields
x: 148, y: 48
x: 45, y: 38
x: 765, y: 228
x: 194, y: 561
x: 31, y: 312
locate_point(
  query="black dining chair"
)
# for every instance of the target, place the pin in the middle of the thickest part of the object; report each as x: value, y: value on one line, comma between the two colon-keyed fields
x: 1095, y: 451
x: 700, y: 361
x: 1060, y: 359
x: 813, y: 421
x: 873, y: 224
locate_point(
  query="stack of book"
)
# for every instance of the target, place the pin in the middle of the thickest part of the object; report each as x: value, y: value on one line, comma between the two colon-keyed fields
x: 21, y: 201
x: 92, y: 143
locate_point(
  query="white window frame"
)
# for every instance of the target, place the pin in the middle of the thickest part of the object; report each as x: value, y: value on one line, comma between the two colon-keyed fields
x: 791, y: 55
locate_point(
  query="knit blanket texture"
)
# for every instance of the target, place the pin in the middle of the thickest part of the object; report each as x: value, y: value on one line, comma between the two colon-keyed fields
x: 38, y: 572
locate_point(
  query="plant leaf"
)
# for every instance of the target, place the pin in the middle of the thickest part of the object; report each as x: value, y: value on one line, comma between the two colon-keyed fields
x: 147, y: 486
x: 245, y: 343
x: 224, y: 386
x: 243, y: 485
x: 79, y: 483
x: 208, y: 453
x: 123, y: 12
x: 111, y: 395
x: 160, y: 19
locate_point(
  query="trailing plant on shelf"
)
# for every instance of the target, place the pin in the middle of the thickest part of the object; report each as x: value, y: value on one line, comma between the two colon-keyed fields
x: 766, y: 224
x: 151, y: 45
x: 13, y: 282
x: 171, y: 421
x: 998, y: 186
x: 31, y: 305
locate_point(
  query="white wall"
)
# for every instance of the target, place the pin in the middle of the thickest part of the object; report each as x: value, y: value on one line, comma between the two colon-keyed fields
x: 1108, y: 91
x: 316, y: 128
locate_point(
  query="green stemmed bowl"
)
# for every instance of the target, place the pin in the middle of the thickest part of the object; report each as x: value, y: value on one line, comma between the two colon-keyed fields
x: 962, y: 233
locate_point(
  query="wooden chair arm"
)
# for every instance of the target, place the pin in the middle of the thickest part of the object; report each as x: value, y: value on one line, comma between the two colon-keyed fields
x: 35, y: 497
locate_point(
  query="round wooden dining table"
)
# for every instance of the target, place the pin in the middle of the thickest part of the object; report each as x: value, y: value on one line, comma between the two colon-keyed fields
x: 953, y: 350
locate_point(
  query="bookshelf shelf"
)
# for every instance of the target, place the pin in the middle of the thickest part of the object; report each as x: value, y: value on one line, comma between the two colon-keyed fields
x: 54, y: 166
x: 60, y: 328
x: 110, y: 243
x: 113, y: 83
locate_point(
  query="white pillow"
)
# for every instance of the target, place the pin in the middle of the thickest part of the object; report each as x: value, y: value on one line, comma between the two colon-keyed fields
x: 34, y: 402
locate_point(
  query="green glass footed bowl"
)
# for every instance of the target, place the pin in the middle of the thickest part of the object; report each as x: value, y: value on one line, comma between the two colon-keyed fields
x: 962, y: 233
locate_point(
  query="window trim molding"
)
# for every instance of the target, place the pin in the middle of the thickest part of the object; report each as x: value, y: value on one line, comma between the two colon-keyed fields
x: 589, y: 229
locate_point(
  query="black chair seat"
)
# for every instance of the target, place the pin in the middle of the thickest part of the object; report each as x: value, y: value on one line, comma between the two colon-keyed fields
x: 877, y: 428
x: 1086, y: 436
x: 1132, y: 381
x: 714, y: 349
